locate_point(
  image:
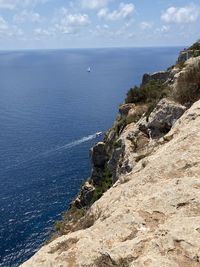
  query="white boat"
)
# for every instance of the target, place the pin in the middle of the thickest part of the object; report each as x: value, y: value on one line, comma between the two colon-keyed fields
x: 89, y: 69
x: 99, y: 133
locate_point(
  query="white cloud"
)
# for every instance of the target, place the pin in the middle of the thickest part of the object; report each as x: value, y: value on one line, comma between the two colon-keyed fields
x: 163, y: 29
x: 105, y: 26
x: 3, y: 24
x: 39, y: 32
x: 181, y: 15
x: 9, y: 30
x: 73, y: 22
x: 15, y: 31
x: 106, y: 31
x: 131, y: 35
x: 66, y: 22
x: 124, y: 11
x: 7, y: 4
x: 63, y: 22
x: 101, y: 29
x: 12, y: 4
x: 27, y: 16
x: 94, y: 4
x: 145, y: 25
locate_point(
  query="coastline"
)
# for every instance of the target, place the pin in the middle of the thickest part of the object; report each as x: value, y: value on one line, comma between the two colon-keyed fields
x: 131, y: 200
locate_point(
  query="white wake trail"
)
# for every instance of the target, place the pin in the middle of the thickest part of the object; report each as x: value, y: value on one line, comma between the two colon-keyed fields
x: 56, y: 149
x: 70, y: 145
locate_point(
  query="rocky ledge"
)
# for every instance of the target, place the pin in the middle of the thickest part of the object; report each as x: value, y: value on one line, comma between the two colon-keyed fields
x: 141, y: 205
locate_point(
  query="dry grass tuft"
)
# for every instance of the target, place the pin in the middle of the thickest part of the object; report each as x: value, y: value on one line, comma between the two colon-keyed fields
x: 187, y: 89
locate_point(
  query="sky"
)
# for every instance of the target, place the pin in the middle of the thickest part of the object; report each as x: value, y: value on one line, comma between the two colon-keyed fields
x: 52, y: 24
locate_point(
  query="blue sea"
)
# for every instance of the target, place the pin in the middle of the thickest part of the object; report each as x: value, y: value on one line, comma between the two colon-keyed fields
x: 50, y: 110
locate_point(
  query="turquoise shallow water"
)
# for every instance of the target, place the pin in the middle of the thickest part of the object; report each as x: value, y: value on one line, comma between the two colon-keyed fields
x: 50, y: 110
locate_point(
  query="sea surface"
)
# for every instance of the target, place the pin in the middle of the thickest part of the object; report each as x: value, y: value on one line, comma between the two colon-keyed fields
x: 50, y: 110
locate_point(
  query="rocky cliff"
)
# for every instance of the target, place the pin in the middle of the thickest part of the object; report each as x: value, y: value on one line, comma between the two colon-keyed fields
x: 141, y: 205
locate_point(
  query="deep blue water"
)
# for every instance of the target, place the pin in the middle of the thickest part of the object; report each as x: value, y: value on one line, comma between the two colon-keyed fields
x: 50, y: 107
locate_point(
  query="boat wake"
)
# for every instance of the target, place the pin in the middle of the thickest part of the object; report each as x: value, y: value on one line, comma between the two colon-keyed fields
x: 55, y: 150
x: 70, y: 145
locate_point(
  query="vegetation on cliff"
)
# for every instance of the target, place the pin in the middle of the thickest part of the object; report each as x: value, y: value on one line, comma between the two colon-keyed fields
x: 140, y: 102
x: 196, y: 48
x: 138, y: 222
x: 148, y: 94
x: 187, y: 89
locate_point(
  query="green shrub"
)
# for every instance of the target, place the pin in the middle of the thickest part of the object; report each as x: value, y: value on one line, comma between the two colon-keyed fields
x: 134, y: 95
x: 149, y: 94
x: 58, y: 225
x: 180, y: 65
x: 187, y: 89
x: 154, y: 90
x: 69, y: 220
x: 195, y: 46
x: 104, y: 186
x: 197, y: 53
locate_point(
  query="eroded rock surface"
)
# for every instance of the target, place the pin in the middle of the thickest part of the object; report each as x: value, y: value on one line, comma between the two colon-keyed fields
x: 151, y: 215
x: 125, y: 108
x: 161, y: 76
x: 98, y: 155
x: 162, y: 118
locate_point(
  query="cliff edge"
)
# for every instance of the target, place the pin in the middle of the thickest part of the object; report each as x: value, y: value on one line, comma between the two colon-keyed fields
x: 141, y: 205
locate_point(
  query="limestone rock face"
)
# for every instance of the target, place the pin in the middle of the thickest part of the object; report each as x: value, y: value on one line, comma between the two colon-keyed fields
x: 132, y: 143
x: 185, y: 55
x: 98, y: 155
x: 150, y: 217
x: 111, y: 137
x: 161, y: 75
x: 136, y: 113
x: 125, y: 108
x: 136, y: 142
x: 162, y: 118
x: 85, y: 196
x: 99, y: 159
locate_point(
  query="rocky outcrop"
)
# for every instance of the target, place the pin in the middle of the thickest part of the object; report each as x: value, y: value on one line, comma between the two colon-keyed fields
x: 141, y: 205
x: 136, y: 113
x: 185, y: 55
x: 98, y: 155
x: 85, y: 196
x: 99, y: 158
x: 161, y: 76
x: 125, y: 108
x: 163, y: 117
x: 193, y: 51
x: 132, y: 143
x: 136, y: 140
x: 150, y: 217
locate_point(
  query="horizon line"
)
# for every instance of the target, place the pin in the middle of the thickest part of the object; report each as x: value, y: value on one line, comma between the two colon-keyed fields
x: 87, y: 48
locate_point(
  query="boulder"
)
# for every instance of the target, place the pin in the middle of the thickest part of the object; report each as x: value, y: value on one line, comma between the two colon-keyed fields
x: 124, y: 109
x: 85, y: 196
x: 99, y: 155
x: 185, y: 55
x: 161, y: 76
x: 162, y: 118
